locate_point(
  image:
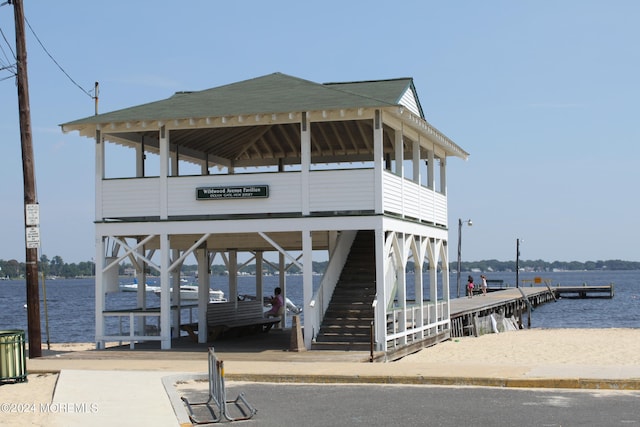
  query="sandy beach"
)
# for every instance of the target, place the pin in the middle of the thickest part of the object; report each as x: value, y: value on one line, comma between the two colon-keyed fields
x: 576, y: 349
x: 534, y: 347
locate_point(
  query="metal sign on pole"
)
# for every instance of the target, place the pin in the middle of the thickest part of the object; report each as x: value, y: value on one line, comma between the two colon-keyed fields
x: 32, y: 215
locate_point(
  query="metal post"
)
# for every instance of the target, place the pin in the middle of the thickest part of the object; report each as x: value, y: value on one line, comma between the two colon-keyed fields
x: 517, y: 263
x: 459, y: 255
x: 460, y: 222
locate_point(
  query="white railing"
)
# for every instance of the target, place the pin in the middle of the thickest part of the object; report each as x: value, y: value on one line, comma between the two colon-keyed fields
x: 432, y: 316
x: 351, y: 190
x: 411, y: 200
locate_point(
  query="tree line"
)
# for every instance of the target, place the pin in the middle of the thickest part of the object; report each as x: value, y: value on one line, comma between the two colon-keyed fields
x: 13, y: 269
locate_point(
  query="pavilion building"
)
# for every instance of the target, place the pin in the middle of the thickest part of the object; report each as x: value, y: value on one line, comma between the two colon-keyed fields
x: 351, y: 172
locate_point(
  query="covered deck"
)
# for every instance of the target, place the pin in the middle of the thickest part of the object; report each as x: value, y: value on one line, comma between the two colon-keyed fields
x: 273, y: 165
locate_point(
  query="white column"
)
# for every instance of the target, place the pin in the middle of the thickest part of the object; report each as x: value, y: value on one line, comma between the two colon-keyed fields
x: 165, y: 296
x: 380, y: 312
x: 99, y: 291
x: 418, y: 259
x: 307, y: 283
x: 402, y: 284
x: 282, y: 279
x: 99, y: 176
x: 233, y: 275
x: 443, y: 176
x: 141, y: 294
x: 164, y: 173
x: 259, y: 275
x: 175, y: 297
x: 416, y: 162
x: 433, y: 277
x: 203, y: 287
x: 430, y: 169
x: 444, y: 255
x: 399, y: 149
x: 417, y: 173
x: 378, y: 163
x: 305, y: 162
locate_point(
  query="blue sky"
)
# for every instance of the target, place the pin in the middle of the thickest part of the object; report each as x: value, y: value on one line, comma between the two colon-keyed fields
x: 542, y: 94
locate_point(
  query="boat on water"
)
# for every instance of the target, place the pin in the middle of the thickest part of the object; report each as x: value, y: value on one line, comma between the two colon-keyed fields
x: 133, y: 287
x: 190, y: 293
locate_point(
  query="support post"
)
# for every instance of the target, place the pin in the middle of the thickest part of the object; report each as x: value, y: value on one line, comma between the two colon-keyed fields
x: 33, y: 292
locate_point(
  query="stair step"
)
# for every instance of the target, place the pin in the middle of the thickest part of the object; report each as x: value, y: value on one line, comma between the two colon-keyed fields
x: 348, y: 312
x: 349, y: 315
x: 353, y: 307
x: 337, y: 328
x: 343, y: 337
x: 340, y: 346
x: 365, y: 339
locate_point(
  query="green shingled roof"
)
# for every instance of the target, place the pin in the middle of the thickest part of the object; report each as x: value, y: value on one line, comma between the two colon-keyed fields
x: 273, y: 93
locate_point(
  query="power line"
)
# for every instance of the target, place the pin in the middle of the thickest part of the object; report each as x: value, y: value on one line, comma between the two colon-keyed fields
x: 56, y: 62
x: 8, y: 65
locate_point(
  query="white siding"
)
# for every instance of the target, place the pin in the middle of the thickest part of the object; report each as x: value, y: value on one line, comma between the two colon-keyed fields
x: 408, y: 99
x: 341, y: 190
x: 392, y: 193
x: 284, y: 194
x: 130, y: 197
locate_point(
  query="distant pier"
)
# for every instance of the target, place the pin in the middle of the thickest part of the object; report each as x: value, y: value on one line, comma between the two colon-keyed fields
x: 584, y: 291
x: 485, y: 313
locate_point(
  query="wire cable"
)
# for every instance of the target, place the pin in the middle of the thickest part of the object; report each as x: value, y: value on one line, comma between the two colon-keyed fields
x: 56, y: 62
x: 13, y: 55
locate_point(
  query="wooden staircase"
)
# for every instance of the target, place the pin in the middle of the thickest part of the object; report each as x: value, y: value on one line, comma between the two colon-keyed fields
x: 347, y: 322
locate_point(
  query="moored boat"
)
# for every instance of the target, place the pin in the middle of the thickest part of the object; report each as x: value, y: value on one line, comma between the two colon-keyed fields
x: 190, y: 293
x: 133, y: 287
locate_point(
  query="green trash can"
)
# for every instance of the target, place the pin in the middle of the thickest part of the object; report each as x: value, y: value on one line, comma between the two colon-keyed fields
x: 13, y: 364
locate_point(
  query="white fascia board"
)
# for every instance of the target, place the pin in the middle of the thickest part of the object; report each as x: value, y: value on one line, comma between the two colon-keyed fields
x: 239, y: 226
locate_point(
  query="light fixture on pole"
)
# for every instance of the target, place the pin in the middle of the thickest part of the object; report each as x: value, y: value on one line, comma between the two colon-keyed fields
x: 460, y: 222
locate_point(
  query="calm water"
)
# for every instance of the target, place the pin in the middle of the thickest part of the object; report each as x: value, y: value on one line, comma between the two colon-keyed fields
x: 70, y: 303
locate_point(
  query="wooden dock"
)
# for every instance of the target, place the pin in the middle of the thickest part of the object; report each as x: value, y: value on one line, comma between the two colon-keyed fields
x: 470, y: 316
x: 584, y: 291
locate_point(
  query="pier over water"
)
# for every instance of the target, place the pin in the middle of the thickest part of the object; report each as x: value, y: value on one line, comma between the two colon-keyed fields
x: 467, y: 314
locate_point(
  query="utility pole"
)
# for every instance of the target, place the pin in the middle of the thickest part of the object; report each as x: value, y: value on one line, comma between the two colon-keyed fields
x: 33, y: 296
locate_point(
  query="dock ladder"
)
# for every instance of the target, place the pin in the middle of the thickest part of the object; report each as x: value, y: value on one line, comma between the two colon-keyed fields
x: 216, y: 405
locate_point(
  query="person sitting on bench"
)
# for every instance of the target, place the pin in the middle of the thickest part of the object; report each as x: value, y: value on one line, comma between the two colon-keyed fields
x: 277, y: 304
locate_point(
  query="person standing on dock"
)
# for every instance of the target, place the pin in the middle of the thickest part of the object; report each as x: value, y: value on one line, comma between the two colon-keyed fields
x: 483, y: 284
x: 470, y: 287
